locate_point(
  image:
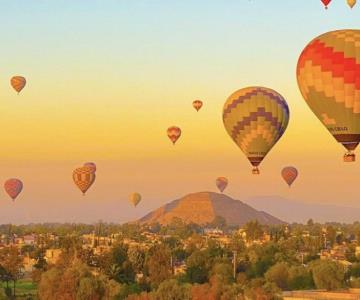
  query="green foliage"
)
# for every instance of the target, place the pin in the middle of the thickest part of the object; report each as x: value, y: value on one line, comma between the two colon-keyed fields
x: 198, y: 267
x: 158, y: 264
x: 355, y: 270
x: 327, y: 274
x: 278, y: 274
x: 254, y: 230
x: 300, y: 278
x: 172, y: 290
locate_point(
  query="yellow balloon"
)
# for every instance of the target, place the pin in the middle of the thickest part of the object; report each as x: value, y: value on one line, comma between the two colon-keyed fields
x: 255, y: 118
x: 351, y: 3
x: 135, y: 199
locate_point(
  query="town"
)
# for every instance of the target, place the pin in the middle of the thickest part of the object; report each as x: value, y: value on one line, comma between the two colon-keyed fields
x: 152, y: 261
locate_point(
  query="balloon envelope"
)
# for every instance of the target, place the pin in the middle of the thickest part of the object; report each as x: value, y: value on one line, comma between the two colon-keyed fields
x: 255, y: 118
x: 326, y: 3
x: 135, y: 199
x: 174, y: 133
x: 328, y: 73
x: 351, y: 3
x: 91, y: 165
x: 289, y: 174
x: 221, y: 183
x: 83, y: 177
x: 197, y: 104
x: 13, y: 187
x: 18, y: 83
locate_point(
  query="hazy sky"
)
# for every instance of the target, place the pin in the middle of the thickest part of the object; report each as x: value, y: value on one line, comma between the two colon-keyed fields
x: 106, y: 78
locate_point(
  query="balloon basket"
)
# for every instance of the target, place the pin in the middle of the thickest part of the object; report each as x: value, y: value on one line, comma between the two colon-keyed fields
x: 349, y: 157
x: 256, y: 171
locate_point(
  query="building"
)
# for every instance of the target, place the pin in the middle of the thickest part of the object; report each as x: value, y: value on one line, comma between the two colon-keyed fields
x: 52, y: 255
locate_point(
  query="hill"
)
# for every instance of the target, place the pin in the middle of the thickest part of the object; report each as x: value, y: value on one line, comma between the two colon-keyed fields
x: 296, y: 211
x: 202, y: 208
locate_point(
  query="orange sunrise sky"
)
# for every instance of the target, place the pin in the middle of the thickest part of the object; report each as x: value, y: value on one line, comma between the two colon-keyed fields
x: 105, y: 81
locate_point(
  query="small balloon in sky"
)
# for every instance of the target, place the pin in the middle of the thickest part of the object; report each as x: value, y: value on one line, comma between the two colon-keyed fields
x: 84, y: 177
x: 351, y: 3
x: 326, y: 3
x: 289, y: 174
x: 91, y: 165
x: 18, y: 83
x: 197, y: 104
x: 221, y: 183
x: 13, y: 187
x: 135, y: 199
x: 174, y: 133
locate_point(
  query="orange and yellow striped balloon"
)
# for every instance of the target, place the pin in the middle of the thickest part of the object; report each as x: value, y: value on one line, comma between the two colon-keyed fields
x: 84, y: 177
x: 197, y: 104
x: 18, y: 83
x: 255, y: 118
x: 328, y: 75
x: 174, y: 133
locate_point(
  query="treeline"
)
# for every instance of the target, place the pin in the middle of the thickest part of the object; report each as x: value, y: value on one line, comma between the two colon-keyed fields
x: 246, y: 266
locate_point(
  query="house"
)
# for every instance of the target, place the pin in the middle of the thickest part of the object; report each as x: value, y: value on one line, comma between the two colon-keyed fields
x: 52, y: 255
x: 29, y: 239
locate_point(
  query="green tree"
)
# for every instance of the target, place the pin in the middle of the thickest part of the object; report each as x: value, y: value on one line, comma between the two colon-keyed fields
x: 254, y: 230
x: 327, y: 274
x: 158, y: 264
x: 223, y: 273
x: 11, y: 263
x: 300, y: 278
x: 278, y: 274
x: 172, y: 290
x: 90, y: 288
x: 198, y: 267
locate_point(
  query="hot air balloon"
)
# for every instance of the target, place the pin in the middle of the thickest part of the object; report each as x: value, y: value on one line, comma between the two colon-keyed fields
x: 326, y: 3
x: 328, y: 76
x: 289, y: 174
x: 174, y: 133
x: 221, y: 183
x: 351, y: 3
x: 197, y: 104
x: 255, y: 118
x: 135, y: 199
x: 13, y: 187
x: 91, y: 165
x: 84, y: 177
x: 18, y: 83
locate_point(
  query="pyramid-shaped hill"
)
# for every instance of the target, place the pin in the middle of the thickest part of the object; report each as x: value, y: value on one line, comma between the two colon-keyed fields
x: 202, y: 208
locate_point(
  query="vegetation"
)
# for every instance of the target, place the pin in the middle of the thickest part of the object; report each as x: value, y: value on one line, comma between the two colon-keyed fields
x: 177, y: 261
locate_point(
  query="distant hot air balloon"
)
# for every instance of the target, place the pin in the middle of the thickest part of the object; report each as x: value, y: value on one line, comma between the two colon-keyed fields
x: 351, y: 3
x: 13, y: 187
x: 289, y: 174
x: 328, y: 76
x: 135, y: 199
x: 91, y: 165
x: 221, y: 183
x: 18, y: 83
x: 197, y: 104
x: 255, y: 118
x: 326, y: 3
x: 84, y: 177
x: 174, y: 133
